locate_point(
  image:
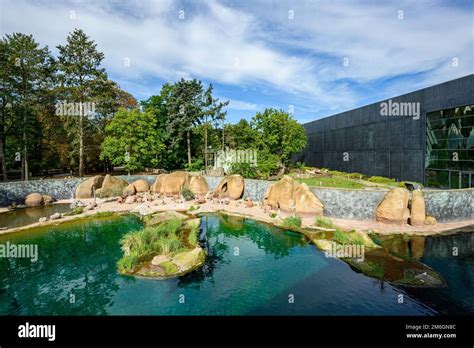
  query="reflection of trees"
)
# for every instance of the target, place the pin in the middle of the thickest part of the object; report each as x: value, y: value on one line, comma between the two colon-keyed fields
x: 78, y: 259
x: 270, y: 239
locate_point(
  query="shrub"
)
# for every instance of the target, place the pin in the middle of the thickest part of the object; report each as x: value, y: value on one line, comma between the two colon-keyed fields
x: 76, y: 211
x: 195, y: 166
x: 292, y: 222
x: 273, y: 215
x: 341, y: 237
x: 324, y: 222
x: 245, y: 169
x: 381, y: 180
x: 357, y: 176
x: 299, y: 165
x: 187, y: 194
x: 193, y: 207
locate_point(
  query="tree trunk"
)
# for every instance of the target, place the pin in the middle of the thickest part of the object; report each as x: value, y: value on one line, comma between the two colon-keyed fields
x: 188, y: 139
x: 3, y: 161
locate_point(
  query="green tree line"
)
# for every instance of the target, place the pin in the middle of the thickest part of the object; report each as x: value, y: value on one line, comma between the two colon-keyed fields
x: 65, y: 113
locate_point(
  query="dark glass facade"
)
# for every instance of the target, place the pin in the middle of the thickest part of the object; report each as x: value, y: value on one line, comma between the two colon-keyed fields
x: 449, y: 160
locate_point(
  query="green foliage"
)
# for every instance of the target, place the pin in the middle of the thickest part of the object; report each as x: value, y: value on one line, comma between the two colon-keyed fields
x: 247, y: 170
x: 169, y: 267
x: 151, y: 241
x: 193, y: 237
x: 292, y: 222
x: 331, y: 182
x: 187, y: 194
x: 341, y: 237
x: 357, y: 176
x: 299, y: 165
x: 324, y: 222
x: 279, y: 134
x: 76, y: 211
x: 381, y: 180
x: 132, y: 140
x: 193, y: 207
x: 195, y: 166
x: 273, y: 214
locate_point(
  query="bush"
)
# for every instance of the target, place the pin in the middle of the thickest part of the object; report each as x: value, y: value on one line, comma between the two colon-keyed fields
x: 341, y: 237
x: 76, y: 211
x: 299, y: 165
x: 292, y: 222
x: 273, y: 215
x: 381, y: 180
x: 195, y: 166
x: 324, y: 222
x: 193, y: 207
x: 187, y: 194
x: 245, y: 169
x: 357, y: 176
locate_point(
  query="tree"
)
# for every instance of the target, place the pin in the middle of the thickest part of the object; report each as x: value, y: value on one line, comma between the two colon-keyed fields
x: 26, y: 78
x: 279, y: 134
x: 81, y: 77
x: 132, y: 140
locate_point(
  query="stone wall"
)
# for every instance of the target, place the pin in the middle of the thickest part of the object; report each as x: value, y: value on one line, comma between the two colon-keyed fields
x: 449, y: 205
x: 16, y: 191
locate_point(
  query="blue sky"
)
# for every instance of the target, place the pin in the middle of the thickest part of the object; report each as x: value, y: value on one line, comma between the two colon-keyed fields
x: 315, y: 57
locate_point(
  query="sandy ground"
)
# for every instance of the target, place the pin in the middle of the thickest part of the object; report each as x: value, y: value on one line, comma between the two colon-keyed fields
x: 256, y: 212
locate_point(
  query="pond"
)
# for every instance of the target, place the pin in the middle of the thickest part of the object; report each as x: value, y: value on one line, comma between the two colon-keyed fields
x: 251, y: 269
x: 25, y: 216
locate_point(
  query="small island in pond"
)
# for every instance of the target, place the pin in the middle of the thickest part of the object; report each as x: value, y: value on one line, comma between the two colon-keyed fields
x: 166, y: 247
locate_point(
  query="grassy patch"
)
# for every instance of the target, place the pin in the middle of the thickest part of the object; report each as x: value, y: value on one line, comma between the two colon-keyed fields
x: 193, y: 207
x: 341, y: 237
x: 75, y: 211
x: 382, y: 180
x: 169, y: 267
x: 292, y: 222
x: 331, y: 182
x: 324, y: 222
x: 149, y: 241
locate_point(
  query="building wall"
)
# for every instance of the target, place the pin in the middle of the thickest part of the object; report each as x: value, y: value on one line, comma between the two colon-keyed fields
x: 390, y: 146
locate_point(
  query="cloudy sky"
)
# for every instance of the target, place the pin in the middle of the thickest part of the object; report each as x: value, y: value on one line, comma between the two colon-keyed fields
x: 314, y: 58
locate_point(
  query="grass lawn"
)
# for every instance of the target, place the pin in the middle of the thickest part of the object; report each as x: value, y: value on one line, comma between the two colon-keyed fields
x: 332, y: 182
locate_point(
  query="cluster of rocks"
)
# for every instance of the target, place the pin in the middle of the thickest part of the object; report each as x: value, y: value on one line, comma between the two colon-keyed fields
x: 397, y: 208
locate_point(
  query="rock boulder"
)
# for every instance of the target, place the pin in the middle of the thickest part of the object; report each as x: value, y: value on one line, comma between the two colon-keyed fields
x: 85, y: 188
x: 418, y: 210
x: 231, y: 186
x: 33, y: 200
x: 393, y: 207
x: 141, y: 185
x: 198, y: 185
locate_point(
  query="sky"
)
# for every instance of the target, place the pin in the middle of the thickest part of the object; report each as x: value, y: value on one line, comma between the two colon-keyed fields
x: 310, y: 58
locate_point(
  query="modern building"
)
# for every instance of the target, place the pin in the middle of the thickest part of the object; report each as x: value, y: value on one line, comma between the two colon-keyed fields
x: 425, y: 136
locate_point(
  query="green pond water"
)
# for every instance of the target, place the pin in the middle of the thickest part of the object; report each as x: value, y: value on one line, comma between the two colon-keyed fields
x: 251, y: 269
x: 26, y: 216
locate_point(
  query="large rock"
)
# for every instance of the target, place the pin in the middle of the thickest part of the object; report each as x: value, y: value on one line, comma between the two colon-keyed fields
x: 231, y: 186
x: 141, y: 185
x: 418, y: 210
x: 188, y: 260
x: 112, y: 182
x: 291, y: 196
x: 173, y: 183
x: 198, y: 185
x: 48, y: 199
x: 84, y: 189
x: 33, y: 200
x: 393, y: 207
x: 156, y: 187
x: 130, y: 190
